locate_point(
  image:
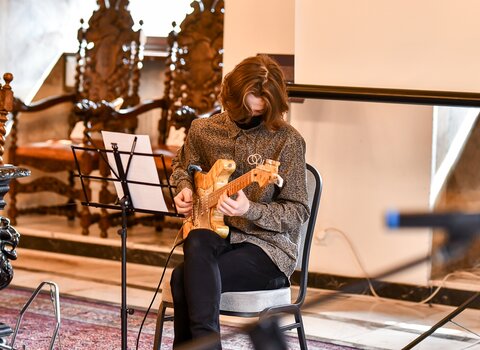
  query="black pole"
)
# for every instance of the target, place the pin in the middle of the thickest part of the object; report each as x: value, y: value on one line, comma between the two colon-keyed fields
x: 123, y: 233
x: 126, y: 205
x: 440, y: 323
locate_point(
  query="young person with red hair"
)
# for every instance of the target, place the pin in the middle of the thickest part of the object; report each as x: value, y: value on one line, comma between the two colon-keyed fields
x: 260, y: 251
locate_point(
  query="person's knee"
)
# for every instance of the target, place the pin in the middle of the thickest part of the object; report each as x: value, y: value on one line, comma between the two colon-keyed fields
x: 199, y: 240
x: 176, y: 280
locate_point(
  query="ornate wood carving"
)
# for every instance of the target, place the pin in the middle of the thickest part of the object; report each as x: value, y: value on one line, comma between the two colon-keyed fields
x: 108, y: 61
x: 108, y: 55
x: 9, y: 238
x: 194, y: 64
x: 107, y: 73
x: 6, y: 105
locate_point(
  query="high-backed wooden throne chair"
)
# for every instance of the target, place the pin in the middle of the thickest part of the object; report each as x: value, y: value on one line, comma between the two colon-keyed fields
x: 194, y: 74
x: 107, y: 73
x: 193, y: 78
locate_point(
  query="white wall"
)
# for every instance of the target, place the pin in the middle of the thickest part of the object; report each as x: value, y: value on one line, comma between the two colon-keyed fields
x: 253, y: 26
x: 373, y: 157
x: 4, y: 6
x: 408, y: 44
x: 427, y: 44
x: 34, y: 35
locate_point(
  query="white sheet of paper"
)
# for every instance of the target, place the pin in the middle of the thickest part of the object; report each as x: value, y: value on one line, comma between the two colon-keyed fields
x: 142, y: 169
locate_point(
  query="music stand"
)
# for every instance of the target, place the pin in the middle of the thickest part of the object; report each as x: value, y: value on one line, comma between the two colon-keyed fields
x: 120, y: 169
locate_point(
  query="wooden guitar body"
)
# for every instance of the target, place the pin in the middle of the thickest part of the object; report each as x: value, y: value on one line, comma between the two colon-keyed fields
x: 209, y: 187
x: 206, y: 184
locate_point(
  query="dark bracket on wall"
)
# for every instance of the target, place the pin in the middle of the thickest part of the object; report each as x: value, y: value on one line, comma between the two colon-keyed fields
x: 367, y: 94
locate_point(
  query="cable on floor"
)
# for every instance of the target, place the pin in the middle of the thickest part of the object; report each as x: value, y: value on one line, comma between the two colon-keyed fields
x: 459, y: 273
x: 175, y: 245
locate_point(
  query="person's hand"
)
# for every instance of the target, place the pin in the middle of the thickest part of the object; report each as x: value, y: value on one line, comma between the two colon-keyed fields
x: 233, y: 207
x: 184, y: 201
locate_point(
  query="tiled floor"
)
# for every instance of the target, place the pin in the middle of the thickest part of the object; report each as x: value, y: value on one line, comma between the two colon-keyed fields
x: 360, y: 321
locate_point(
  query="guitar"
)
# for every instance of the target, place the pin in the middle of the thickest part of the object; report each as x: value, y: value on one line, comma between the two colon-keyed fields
x: 209, y: 187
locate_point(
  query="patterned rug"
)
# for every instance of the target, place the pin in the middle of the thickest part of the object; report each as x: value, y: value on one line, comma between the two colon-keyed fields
x: 97, y: 326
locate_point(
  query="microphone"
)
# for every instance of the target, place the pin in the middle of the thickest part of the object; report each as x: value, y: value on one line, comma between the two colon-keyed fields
x: 460, y: 227
x: 453, y: 220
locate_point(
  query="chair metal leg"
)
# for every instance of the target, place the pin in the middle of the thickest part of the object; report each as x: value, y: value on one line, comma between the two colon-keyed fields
x: 293, y: 310
x: 301, y: 331
x: 157, y: 344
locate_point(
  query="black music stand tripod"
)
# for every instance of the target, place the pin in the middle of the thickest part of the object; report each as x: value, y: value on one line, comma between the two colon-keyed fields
x: 120, y: 172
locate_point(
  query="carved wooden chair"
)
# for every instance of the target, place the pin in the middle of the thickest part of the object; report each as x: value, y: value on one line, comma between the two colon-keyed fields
x: 107, y: 72
x: 194, y: 74
x: 192, y: 83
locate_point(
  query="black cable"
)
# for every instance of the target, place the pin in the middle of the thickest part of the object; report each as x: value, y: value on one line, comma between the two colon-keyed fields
x: 158, y: 287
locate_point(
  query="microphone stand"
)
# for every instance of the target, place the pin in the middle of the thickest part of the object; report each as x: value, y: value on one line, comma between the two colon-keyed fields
x: 460, y: 229
x: 440, y: 323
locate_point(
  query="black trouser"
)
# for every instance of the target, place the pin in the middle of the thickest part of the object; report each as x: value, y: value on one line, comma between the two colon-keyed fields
x: 212, y: 265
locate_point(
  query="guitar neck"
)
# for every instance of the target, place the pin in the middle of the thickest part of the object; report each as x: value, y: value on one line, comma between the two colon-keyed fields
x: 231, y: 188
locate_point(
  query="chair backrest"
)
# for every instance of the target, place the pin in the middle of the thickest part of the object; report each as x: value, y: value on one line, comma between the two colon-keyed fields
x: 109, y: 55
x: 314, y: 188
x: 109, y: 59
x: 6, y: 105
x: 194, y: 65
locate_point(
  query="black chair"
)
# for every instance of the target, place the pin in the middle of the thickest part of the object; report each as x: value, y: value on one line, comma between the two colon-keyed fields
x: 265, y: 303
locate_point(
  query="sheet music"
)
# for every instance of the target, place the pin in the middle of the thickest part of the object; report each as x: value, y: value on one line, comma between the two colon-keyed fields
x: 142, y: 168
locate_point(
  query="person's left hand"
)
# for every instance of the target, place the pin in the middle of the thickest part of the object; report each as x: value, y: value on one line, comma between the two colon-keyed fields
x: 233, y: 207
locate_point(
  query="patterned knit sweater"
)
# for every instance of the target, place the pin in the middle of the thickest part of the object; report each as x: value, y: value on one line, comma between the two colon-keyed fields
x: 275, y: 215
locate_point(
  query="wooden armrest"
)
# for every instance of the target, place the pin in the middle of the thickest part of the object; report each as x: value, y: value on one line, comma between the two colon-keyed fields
x: 20, y: 106
x: 184, y: 116
x: 215, y: 110
x: 142, y: 107
x: 104, y: 112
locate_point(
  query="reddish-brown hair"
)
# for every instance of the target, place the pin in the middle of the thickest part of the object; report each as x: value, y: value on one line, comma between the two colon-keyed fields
x: 261, y: 76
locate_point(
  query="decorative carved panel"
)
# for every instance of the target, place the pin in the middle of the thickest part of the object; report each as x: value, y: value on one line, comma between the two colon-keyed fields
x: 109, y: 55
x: 194, y: 64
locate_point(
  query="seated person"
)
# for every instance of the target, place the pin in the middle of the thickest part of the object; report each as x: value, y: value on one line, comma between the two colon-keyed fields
x: 260, y: 252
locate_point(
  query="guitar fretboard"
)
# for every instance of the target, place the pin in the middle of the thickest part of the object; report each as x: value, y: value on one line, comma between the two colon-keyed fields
x: 231, y: 188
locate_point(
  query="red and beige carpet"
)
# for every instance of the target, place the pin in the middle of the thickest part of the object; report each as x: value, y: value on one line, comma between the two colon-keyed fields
x: 97, y: 326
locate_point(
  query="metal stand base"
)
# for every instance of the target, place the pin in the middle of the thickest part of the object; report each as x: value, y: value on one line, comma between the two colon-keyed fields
x: 56, y: 304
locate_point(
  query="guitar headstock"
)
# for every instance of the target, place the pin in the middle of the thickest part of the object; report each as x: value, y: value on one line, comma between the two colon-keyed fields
x: 267, y: 173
